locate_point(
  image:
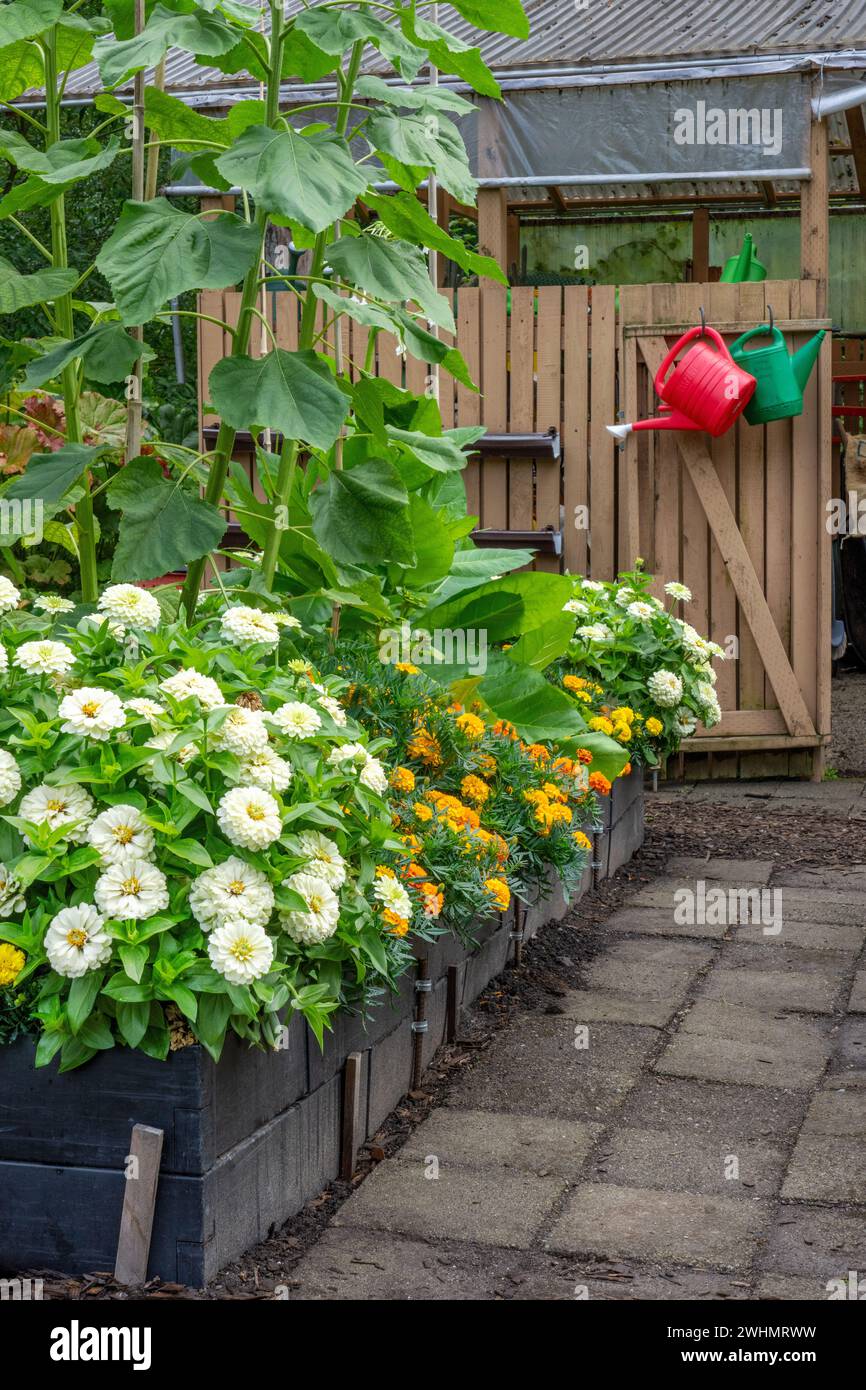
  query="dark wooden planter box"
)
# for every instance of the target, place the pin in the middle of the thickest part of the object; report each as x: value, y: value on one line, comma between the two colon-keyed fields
x: 247, y: 1141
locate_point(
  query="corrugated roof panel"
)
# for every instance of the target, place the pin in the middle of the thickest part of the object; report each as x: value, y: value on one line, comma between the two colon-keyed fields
x: 605, y: 32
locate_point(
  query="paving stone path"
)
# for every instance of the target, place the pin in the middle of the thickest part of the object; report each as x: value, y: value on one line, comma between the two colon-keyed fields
x: 707, y: 1141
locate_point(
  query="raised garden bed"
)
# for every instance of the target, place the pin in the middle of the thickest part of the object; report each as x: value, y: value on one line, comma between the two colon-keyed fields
x: 248, y: 1140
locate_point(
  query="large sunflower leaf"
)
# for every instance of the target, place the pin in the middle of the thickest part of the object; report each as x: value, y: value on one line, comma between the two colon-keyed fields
x: 361, y: 516
x: 291, y: 392
x: 391, y: 271
x: 157, y: 252
x: 163, y: 526
x: 206, y: 35
x: 311, y: 179
x: 20, y: 291
x: 107, y: 351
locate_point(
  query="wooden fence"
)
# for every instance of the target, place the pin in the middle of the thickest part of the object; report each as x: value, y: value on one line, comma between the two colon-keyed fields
x: 739, y: 519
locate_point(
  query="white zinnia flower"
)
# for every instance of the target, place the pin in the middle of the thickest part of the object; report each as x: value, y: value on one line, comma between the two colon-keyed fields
x: 249, y: 817
x: 4, y: 660
x: 324, y: 857
x: 334, y: 709
x: 685, y: 722
x: 91, y: 712
x: 243, y: 731
x: 164, y: 740
x: 147, y: 709
x: 393, y: 895
x: 127, y: 603
x: 347, y: 752
x: 76, y: 942
x: 10, y: 597
x: 592, y: 586
x: 595, y: 632
x: 576, y: 606
x: 119, y: 832
x: 286, y: 620
x: 265, y: 768
x: 44, y: 658
x: 188, y: 683
x: 241, y: 951
x: 665, y: 687
x: 623, y: 596
x: 131, y: 888
x: 229, y: 892
x: 319, y: 920
x: 10, y: 778
x: 245, y: 626
x: 53, y: 603
x: 296, y: 720
x: 11, y: 897
x: 56, y: 806
x: 641, y: 610
x: 373, y: 776
x: 678, y: 591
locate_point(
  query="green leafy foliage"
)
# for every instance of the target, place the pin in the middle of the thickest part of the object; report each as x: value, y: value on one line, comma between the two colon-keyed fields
x: 106, y: 351
x: 307, y: 178
x: 292, y: 392
x: 164, y: 525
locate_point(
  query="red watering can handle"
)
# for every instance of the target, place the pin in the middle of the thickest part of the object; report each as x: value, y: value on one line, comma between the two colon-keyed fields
x: 699, y: 331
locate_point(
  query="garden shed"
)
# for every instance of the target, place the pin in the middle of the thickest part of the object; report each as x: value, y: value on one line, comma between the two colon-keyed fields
x: 623, y: 168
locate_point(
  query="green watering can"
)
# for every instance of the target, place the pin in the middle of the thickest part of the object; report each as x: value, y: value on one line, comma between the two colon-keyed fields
x: 746, y: 266
x: 781, y: 379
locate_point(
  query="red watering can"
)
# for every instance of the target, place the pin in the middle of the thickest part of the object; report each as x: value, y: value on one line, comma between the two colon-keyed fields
x: 705, y: 391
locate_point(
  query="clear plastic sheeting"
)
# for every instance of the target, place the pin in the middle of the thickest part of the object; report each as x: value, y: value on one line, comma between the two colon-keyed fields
x: 745, y: 127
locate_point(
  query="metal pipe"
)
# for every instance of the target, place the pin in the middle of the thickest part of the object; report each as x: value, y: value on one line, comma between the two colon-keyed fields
x: 843, y: 101
x: 177, y: 343
x: 422, y: 988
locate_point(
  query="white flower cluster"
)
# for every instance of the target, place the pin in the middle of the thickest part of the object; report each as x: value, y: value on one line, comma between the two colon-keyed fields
x: 665, y: 687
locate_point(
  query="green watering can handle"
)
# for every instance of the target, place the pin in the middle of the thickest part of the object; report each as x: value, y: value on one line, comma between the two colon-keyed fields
x: 762, y: 331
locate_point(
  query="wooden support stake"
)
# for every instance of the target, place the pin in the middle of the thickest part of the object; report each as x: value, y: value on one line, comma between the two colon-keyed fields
x: 815, y: 216
x: 139, y: 1203
x: 493, y: 227
x: 351, y: 1137
x: 452, y: 1004
x: 700, y: 246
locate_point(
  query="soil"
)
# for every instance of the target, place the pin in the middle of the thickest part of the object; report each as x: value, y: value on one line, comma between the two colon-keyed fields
x: 553, y: 963
x: 847, y: 752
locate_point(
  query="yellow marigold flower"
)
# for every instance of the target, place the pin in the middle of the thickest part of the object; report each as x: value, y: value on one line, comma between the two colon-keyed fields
x: 399, y: 925
x: 622, y: 732
x: 585, y: 696
x: 601, y: 725
x: 573, y: 682
x: 412, y: 842
x: 11, y: 963
x: 470, y: 725
x: 382, y: 871
x: 654, y: 726
x: 487, y: 764
x: 623, y: 714
x: 553, y: 791
x: 474, y: 789
x: 425, y: 747
x: 535, y: 796
x: 626, y: 772
x: 403, y: 779
x: 422, y: 812
x: 583, y: 840
x: 499, y: 892
x: 407, y: 668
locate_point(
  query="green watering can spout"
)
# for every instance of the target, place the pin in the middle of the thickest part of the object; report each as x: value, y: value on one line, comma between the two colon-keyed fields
x: 745, y: 266
x: 805, y: 358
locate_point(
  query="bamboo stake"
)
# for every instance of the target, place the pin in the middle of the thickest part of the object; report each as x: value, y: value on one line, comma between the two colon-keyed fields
x: 134, y: 380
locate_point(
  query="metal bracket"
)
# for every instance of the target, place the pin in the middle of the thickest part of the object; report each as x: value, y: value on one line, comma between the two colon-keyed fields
x: 423, y: 986
x: 419, y: 1026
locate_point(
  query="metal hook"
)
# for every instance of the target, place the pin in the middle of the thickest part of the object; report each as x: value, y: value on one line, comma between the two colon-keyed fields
x: 770, y: 312
x: 703, y: 321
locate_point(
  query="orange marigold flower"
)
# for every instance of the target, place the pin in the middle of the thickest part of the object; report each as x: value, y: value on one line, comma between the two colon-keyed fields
x: 504, y: 729
x: 422, y: 812
x: 414, y: 870
x: 599, y: 783
x: 499, y: 892
x: 403, y: 779
x: 539, y: 752
x: 573, y: 682
x: 584, y: 755
x: 425, y: 747
x: 412, y: 841
x: 455, y: 707
x: 581, y: 839
x: 566, y: 766
x: 399, y: 925
x: 626, y: 772
x: 470, y: 725
x: 474, y: 789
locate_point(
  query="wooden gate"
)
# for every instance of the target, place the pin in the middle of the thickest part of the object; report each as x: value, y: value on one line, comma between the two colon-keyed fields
x: 741, y: 520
